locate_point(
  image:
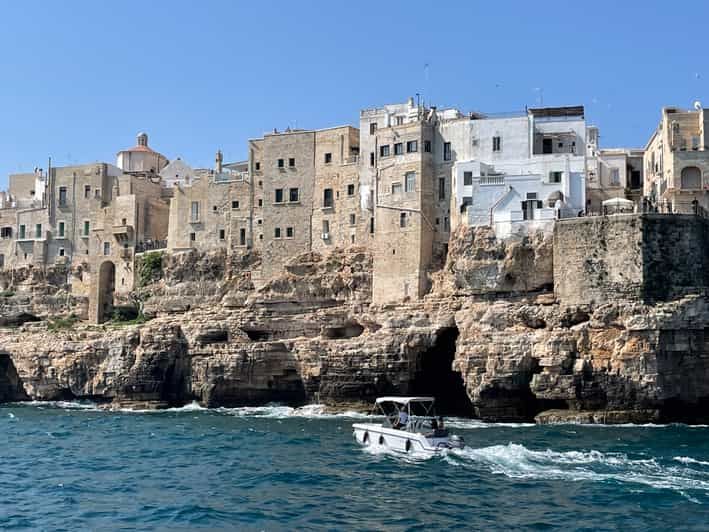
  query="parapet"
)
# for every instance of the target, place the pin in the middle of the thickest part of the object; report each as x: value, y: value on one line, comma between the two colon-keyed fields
x: 646, y: 257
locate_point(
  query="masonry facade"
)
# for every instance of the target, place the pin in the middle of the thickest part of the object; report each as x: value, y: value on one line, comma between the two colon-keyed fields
x: 398, y: 185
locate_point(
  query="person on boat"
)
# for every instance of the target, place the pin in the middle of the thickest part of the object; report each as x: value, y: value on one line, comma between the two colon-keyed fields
x: 440, y: 429
x: 402, y: 420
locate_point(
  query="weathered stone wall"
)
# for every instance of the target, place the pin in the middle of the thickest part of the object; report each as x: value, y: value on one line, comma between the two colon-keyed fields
x: 644, y: 257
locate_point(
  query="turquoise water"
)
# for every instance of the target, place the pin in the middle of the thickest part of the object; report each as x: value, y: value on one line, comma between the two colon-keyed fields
x: 72, y: 467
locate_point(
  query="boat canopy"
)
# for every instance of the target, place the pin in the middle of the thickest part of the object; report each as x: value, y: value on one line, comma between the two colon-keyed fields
x: 404, y: 400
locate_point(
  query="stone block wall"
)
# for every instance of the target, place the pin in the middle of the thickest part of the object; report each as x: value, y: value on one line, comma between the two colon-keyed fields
x: 651, y: 257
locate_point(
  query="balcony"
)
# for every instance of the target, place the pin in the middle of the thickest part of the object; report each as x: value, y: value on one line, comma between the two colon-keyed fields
x: 492, y: 180
x: 126, y: 253
x: 123, y: 232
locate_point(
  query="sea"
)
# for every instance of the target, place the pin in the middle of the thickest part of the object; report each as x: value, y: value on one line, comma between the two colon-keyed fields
x: 73, y: 466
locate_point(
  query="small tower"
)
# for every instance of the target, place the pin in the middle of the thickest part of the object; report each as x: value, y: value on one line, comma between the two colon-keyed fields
x: 143, y: 139
x: 218, y: 161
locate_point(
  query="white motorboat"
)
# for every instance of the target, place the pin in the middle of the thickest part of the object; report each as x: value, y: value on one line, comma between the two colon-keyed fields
x: 410, y: 424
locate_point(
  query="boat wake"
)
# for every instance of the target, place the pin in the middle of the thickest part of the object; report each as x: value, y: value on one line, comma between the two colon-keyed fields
x: 518, y: 462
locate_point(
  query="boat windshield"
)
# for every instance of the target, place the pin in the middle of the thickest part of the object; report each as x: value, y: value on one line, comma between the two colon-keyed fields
x: 414, y: 416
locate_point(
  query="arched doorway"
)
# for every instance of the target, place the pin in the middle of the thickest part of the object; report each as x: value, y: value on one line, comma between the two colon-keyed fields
x: 691, y: 177
x: 106, y: 288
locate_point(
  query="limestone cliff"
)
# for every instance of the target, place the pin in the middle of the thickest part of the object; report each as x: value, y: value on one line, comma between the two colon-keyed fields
x: 490, y: 340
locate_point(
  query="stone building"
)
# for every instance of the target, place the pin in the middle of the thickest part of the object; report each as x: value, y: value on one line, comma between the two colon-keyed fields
x: 676, y: 160
x: 212, y: 210
x: 397, y: 188
x: 287, y: 161
x: 133, y: 217
x: 336, y: 219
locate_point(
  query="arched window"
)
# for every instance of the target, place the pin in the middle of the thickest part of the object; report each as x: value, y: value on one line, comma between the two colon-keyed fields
x: 691, y: 177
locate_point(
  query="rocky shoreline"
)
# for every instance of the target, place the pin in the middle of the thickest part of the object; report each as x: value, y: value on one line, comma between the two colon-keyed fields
x: 502, y: 353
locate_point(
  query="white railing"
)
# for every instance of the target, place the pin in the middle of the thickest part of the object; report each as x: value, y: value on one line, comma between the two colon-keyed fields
x: 492, y: 180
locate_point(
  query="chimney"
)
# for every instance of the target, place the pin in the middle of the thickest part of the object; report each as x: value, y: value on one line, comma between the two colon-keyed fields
x: 219, y: 159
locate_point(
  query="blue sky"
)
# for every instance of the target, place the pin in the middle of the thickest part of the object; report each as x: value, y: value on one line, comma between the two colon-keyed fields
x: 79, y: 79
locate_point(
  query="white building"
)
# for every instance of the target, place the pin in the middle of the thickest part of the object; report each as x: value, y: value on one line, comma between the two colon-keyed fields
x: 177, y: 172
x: 141, y: 158
x: 517, y: 172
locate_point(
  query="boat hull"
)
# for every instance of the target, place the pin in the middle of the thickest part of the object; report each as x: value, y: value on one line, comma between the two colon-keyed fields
x: 398, y: 440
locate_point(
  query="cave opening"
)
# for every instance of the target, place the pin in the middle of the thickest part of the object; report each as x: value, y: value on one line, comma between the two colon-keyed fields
x: 436, y: 377
x: 349, y: 330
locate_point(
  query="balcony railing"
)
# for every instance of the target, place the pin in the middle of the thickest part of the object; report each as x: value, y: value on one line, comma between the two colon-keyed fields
x: 492, y: 180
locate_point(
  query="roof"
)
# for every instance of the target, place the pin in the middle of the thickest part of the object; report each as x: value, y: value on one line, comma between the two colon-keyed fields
x: 405, y: 400
x: 140, y: 148
x: 575, y: 110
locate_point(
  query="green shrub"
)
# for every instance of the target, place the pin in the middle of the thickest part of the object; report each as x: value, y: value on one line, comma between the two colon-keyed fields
x: 150, y: 268
x: 7, y: 293
x: 62, y: 323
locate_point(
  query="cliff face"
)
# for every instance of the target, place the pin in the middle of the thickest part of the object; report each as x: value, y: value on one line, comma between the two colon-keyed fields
x: 509, y: 351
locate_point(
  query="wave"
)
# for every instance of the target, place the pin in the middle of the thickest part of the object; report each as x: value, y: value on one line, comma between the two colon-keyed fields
x: 689, y: 460
x: 518, y: 462
x: 276, y: 411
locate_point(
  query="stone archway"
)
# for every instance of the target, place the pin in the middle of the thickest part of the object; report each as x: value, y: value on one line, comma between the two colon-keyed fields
x: 691, y: 178
x: 106, y: 288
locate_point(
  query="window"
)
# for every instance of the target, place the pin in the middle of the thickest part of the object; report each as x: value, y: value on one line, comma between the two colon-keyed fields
x: 62, y: 197
x: 402, y: 219
x: 438, y: 221
x: 222, y: 234
x: 194, y: 211
x: 87, y: 191
x: 97, y: 193
x: 427, y: 146
x: 124, y: 221
x: 327, y: 200
x: 258, y: 165
x: 193, y: 237
x: 353, y: 219
x: 279, y: 195
x: 371, y: 158
x: 441, y: 188
x: 531, y: 195
x: 242, y: 237
x: 277, y: 232
x: 555, y: 177
x: 496, y: 143
x: 547, y: 145
x: 61, y: 252
x: 234, y: 204
x: 399, y: 120
x: 289, y: 232
x: 61, y: 229
x: 352, y: 239
x: 396, y: 188
x: 398, y: 148
x: 281, y: 163
x: 350, y: 189
x: 260, y: 202
x: 106, y: 248
x: 446, y: 151
x: 372, y: 128
x: 446, y: 224
x: 259, y: 221
x: 87, y: 226
x: 214, y: 208
x: 371, y: 226
x: 410, y: 182
x: 2, y: 260
x: 384, y: 151
x: 291, y: 162
x: 412, y: 146
x: 293, y: 195
x: 6, y: 232
x: 22, y: 231
x: 467, y: 179
x: 38, y: 231
x: 325, y: 229
x: 615, y: 176
x: 328, y: 158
